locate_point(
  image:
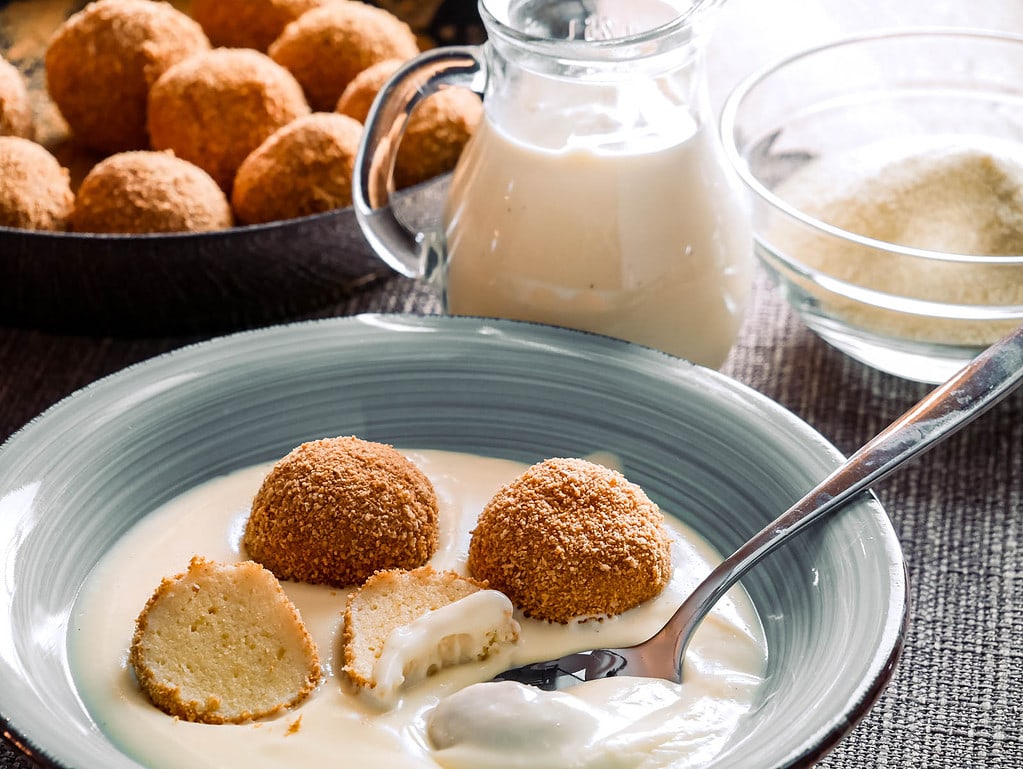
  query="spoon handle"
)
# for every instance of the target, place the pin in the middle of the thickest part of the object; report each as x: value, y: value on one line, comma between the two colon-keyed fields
x: 973, y: 390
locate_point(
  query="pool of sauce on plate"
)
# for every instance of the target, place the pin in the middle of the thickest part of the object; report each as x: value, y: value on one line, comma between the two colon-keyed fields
x: 620, y: 722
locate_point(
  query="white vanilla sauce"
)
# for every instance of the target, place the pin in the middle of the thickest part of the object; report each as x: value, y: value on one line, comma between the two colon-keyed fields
x: 617, y: 722
x: 646, y: 244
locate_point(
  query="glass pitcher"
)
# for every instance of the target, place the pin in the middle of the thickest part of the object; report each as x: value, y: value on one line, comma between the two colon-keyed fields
x: 593, y: 194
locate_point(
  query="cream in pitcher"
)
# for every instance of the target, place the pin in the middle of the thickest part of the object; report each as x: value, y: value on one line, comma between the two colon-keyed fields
x: 593, y: 194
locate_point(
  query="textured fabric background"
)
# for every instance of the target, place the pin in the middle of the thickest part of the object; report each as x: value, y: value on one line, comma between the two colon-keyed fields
x: 957, y: 696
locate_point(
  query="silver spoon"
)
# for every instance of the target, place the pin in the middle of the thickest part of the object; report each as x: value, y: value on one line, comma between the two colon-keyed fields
x: 981, y: 384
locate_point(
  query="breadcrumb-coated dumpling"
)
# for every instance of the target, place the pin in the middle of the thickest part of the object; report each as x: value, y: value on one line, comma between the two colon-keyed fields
x: 334, y: 511
x: 15, y: 105
x: 222, y: 643
x: 327, y: 47
x: 248, y: 23
x: 437, y: 131
x: 304, y: 168
x: 357, y: 98
x: 35, y: 190
x: 571, y: 539
x: 101, y: 63
x: 397, y: 600
x: 143, y: 191
x: 234, y: 98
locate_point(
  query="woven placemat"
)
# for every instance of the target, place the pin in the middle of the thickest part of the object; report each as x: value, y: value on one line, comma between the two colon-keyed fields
x: 956, y: 699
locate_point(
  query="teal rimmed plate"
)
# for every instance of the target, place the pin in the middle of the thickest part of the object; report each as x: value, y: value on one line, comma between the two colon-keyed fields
x: 833, y: 603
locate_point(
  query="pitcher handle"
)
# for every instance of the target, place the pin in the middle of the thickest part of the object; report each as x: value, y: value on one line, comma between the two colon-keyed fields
x: 373, y: 181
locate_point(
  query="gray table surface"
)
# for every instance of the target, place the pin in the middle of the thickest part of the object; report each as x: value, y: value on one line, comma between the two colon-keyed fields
x: 956, y: 699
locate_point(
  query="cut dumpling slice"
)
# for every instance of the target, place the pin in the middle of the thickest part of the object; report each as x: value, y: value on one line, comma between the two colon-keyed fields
x: 222, y: 643
x: 402, y: 626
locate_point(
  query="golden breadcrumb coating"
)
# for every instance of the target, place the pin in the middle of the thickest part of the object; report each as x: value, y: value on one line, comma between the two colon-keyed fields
x: 214, y: 108
x: 101, y: 63
x: 15, y: 105
x: 304, y: 168
x: 334, y: 511
x: 360, y: 92
x: 35, y: 190
x: 437, y: 131
x: 571, y: 539
x: 327, y: 47
x: 248, y: 23
x: 222, y: 643
x: 142, y: 191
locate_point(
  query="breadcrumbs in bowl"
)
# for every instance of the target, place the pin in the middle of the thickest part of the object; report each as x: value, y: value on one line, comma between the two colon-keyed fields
x: 887, y: 181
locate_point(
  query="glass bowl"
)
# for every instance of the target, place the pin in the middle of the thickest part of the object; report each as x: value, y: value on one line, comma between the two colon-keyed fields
x: 886, y: 173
